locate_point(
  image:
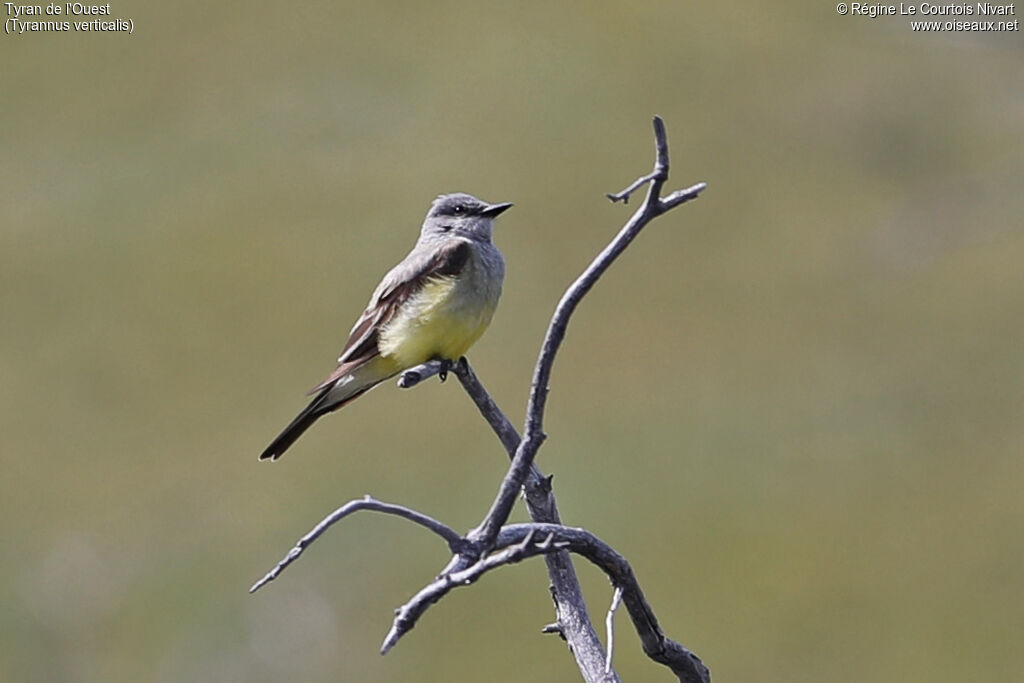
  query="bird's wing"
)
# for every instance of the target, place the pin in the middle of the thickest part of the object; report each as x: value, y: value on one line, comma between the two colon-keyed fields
x: 404, y: 280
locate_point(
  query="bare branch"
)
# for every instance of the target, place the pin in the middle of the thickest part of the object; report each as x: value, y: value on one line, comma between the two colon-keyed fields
x: 420, y: 373
x: 609, y: 625
x: 555, y: 628
x: 454, y: 540
x: 624, y: 195
x: 681, y: 196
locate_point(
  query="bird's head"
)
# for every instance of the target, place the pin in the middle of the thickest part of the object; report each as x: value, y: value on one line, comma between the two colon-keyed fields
x: 463, y: 215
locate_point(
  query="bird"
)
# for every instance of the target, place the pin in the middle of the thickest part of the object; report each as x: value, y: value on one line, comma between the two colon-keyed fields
x: 432, y: 306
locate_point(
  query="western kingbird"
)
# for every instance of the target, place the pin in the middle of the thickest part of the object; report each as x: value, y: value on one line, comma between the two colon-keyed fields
x: 432, y: 305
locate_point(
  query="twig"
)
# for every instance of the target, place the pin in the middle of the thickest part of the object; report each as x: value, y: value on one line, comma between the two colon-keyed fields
x: 634, y: 186
x: 555, y: 628
x: 420, y: 373
x: 609, y: 625
x: 452, y: 537
x: 680, y: 197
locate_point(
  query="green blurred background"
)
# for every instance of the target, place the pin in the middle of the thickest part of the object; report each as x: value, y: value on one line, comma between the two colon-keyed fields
x: 795, y: 404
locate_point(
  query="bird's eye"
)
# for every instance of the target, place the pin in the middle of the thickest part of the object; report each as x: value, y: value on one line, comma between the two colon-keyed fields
x: 459, y: 209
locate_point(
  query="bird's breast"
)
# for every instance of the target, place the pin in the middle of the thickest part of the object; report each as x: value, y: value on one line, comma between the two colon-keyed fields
x: 446, y: 316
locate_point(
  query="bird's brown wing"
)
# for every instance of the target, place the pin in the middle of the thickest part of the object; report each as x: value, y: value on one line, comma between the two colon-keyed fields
x: 403, y: 281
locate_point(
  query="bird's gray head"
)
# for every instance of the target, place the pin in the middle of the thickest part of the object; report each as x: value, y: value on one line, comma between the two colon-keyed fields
x: 463, y: 215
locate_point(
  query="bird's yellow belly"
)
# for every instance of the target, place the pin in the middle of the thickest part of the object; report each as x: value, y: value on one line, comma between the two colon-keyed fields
x: 442, y: 320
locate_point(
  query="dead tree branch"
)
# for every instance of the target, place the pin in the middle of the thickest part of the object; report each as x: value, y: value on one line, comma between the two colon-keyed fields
x: 452, y: 537
x: 609, y: 627
x: 494, y: 543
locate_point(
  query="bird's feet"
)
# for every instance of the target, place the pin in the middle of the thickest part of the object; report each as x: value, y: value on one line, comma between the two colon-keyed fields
x: 446, y: 365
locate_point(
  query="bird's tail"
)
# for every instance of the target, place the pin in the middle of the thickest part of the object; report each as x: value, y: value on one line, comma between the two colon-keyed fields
x: 316, y: 409
x: 303, y: 421
x: 347, y: 383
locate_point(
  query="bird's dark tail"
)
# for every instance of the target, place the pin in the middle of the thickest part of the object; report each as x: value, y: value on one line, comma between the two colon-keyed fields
x: 316, y: 409
x: 294, y: 430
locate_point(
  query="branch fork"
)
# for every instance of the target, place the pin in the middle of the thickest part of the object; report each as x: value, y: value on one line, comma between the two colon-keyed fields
x: 494, y: 543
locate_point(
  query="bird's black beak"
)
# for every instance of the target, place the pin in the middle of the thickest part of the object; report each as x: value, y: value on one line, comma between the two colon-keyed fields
x: 493, y: 210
